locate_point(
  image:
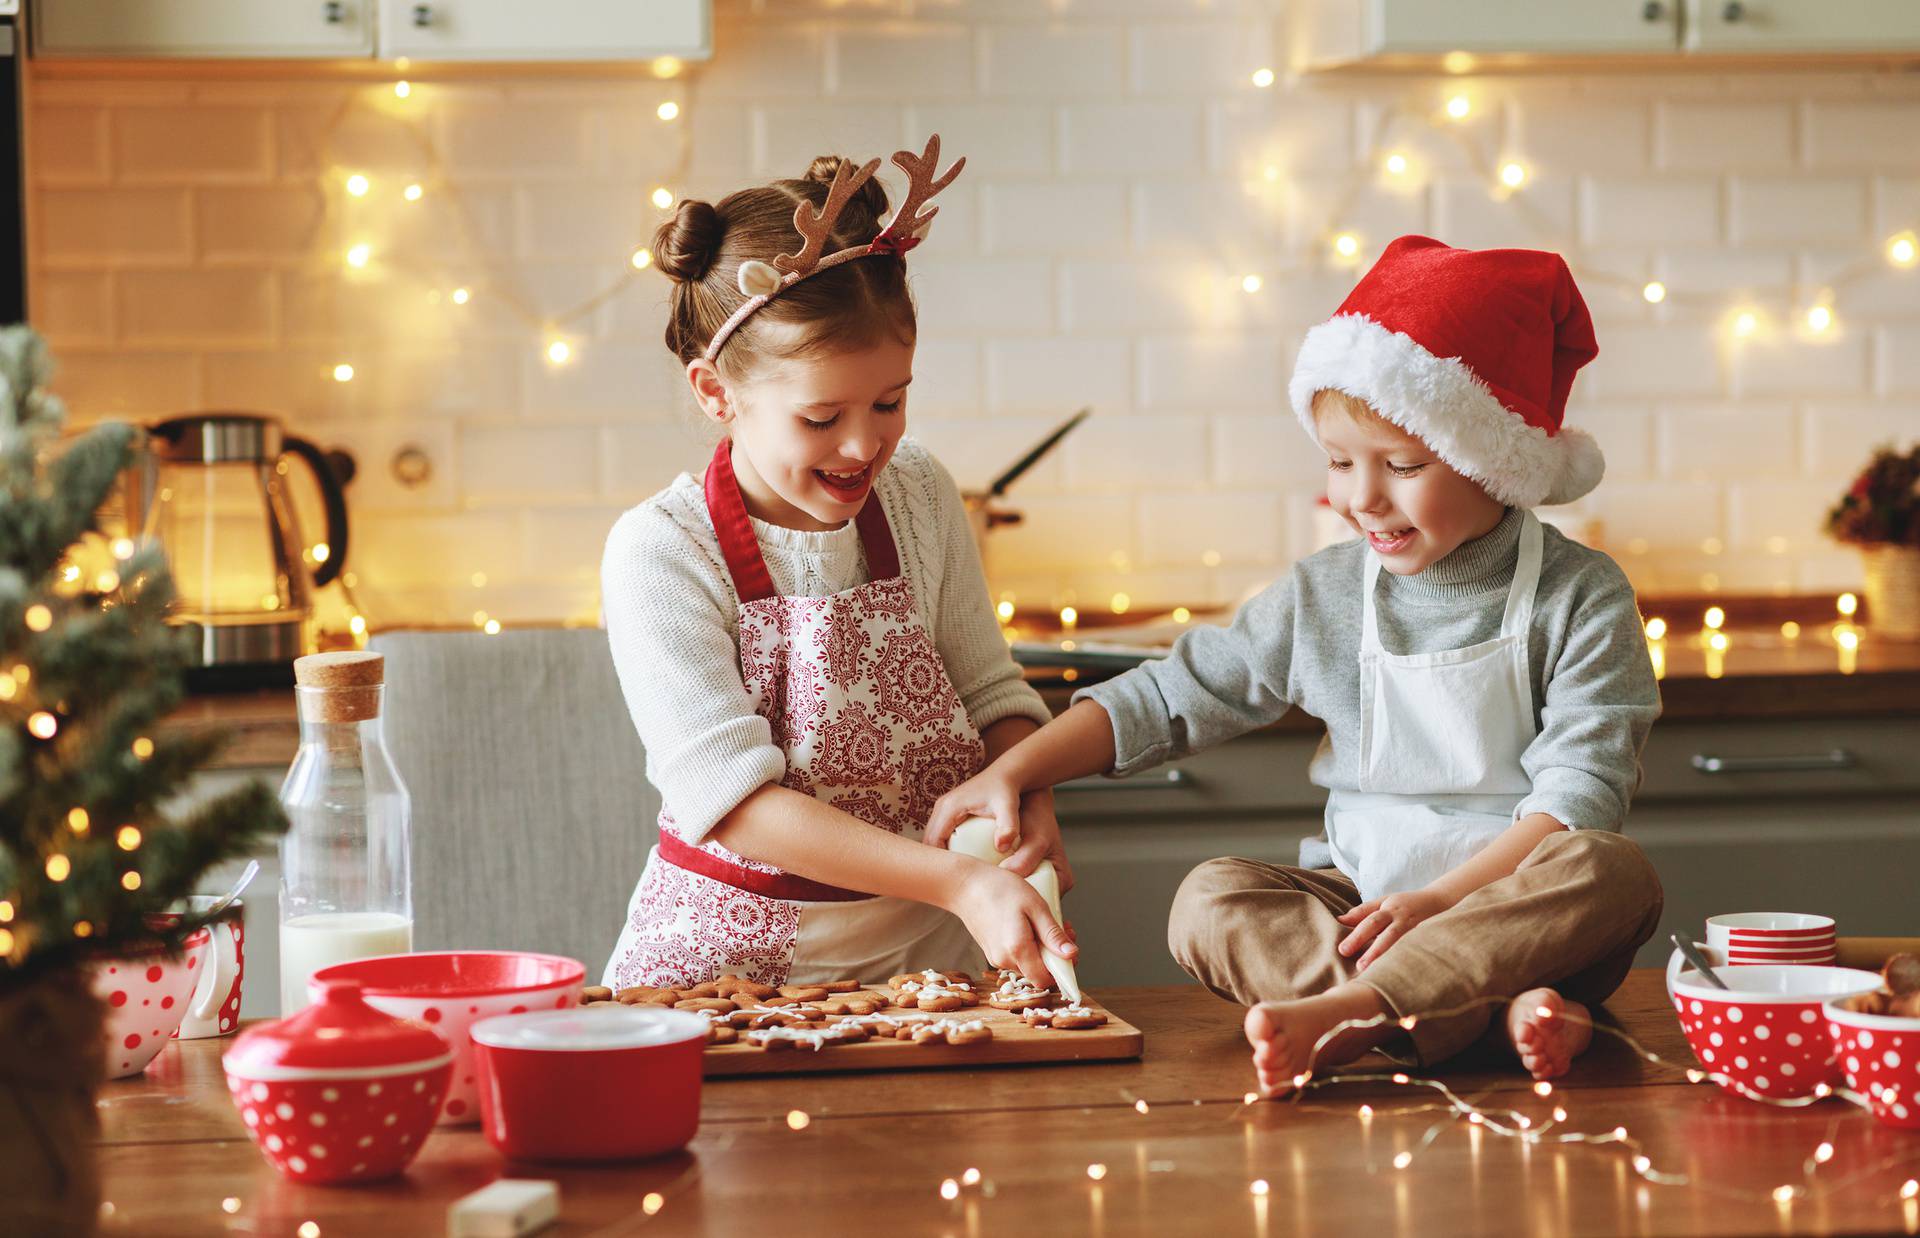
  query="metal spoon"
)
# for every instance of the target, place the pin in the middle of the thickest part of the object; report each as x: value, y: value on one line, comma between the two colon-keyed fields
x: 1691, y: 953
x: 247, y: 875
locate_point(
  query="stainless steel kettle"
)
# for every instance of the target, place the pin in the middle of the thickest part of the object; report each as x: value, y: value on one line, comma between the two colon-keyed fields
x: 213, y: 489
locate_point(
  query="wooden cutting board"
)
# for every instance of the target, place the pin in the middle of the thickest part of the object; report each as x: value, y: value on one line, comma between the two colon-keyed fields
x: 1013, y: 1041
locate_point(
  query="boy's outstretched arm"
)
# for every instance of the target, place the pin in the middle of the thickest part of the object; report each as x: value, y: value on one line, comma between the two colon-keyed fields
x: 1077, y: 743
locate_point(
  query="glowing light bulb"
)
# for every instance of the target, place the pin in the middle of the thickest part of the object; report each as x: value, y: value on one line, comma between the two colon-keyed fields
x: 1121, y: 603
x: 1096, y: 1171
x: 1396, y: 164
x: 1543, y: 1088
x: 653, y: 1202
x: 1251, y: 283
x: 58, y: 867
x: 1745, y: 323
x: 142, y: 748
x: 1656, y: 628
x: 402, y: 89
x: 1459, y: 107
x: 492, y: 627
x: 1005, y: 611
x: 1819, y: 318
x: 130, y: 880
x: 128, y: 838
x: 949, y: 1189
x: 1903, y: 249
x: 663, y: 197
x: 1847, y: 604
x: 343, y: 373
x: 123, y: 548
x: 1258, y: 1186
x: 1513, y: 174
x: 39, y: 617
x: 413, y: 192
x: 1263, y: 78
x: 1823, y: 1153
x: 1715, y: 618
x: 1783, y: 1194
x: 1346, y: 245
x: 1655, y: 292
x: 642, y: 258
x: 358, y: 256
x: 1181, y: 614
x: 559, y: 352
x: 357, y: 185
x: 1140, y: 1106
x: 43, y: 725
x: 668, y: 110
x: 460, y: 296
x: 77, y: 820
x: 1403, y: 1160
x: 971, y: 1177
x: 1069, y: 616
x: 666, y: 67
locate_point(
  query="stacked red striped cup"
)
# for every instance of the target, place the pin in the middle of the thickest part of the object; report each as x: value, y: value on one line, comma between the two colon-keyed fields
x: 1764, y: 939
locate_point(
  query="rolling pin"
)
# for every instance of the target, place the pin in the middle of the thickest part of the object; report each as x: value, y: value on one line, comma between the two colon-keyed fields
x: 974, y: 837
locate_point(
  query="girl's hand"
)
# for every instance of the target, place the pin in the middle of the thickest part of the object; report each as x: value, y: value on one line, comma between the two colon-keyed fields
x: 1011, y: 922
x: 989, y: 793
x: 1383, y: 921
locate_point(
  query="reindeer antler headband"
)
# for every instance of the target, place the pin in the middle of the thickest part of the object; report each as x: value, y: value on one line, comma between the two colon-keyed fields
x: 761, y: 282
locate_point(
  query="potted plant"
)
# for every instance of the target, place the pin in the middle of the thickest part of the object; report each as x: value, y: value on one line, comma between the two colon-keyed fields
x: 88, y: 665
x: 1880, y: 514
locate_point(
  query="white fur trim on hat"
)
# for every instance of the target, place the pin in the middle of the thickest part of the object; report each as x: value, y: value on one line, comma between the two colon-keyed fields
x: 1446, y: 404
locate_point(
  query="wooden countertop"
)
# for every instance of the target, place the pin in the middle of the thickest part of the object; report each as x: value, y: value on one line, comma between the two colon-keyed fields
x: 172, y: 1149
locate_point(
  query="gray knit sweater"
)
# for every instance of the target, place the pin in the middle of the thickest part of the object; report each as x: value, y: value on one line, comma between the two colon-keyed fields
x: 1298, y: 643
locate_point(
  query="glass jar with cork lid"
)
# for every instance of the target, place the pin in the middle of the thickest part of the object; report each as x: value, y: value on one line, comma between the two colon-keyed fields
x: 345, y: 872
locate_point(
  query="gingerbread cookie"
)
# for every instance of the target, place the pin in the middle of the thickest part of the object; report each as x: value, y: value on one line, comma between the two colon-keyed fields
x: 647, y: 995
x: 738, y: 987
x: 802, y: 992
x: 950, y: 1031
x: 853, y: 1004
x: 884, y: 1026
x: 1017, y: 993
x: 935, y: 991
x: 718, y: 1005
x: 788, y: 1014
x: 595, y: 993
x: 812, y: 1039
x: 722, y: 1034
x: 1063, y: 1018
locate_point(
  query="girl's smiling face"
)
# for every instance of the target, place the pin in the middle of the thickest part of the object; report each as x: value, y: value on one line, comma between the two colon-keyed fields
x: 1413, y: 508
x: 810, y: 434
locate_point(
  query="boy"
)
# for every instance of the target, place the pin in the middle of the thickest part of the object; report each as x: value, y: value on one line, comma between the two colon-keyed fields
x: 1483, y: 679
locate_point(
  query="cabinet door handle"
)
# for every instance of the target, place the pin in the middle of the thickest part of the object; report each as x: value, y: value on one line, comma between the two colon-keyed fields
x: 335, y: 12
x: 1800, y: 763
x: 1172, y: 780
x: 1653, y: 11
x: 1733, y: 12
x: 423, y: 15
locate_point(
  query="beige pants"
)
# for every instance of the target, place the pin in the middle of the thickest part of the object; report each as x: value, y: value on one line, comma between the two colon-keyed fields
x: 1570, y: 917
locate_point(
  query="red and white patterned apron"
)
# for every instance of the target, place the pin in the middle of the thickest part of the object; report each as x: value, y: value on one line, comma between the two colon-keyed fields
x: 861, y: 704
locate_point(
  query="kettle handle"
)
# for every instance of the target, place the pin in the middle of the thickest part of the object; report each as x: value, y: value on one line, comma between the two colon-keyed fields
x: 333, y: 497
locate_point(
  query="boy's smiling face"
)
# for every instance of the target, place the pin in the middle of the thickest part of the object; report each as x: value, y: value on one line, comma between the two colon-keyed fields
x: 1412, y: 507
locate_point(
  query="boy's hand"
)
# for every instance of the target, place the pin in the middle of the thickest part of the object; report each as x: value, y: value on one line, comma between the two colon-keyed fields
x: 989, y: 793
x: 1040, y: 839
x: 1011, y: 922
x: 1383, y: 921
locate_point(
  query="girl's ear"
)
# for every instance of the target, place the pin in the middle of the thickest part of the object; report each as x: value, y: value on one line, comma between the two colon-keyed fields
x: 709, y: 390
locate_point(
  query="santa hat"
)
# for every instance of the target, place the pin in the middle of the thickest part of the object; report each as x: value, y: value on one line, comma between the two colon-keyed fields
x: 1474, y: 352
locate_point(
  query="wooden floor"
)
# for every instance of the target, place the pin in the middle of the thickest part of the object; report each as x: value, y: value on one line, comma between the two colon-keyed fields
x: 173, y: 1150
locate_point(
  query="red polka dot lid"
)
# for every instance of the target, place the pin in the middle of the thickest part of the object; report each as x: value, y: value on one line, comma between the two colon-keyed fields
x: 338, y: 1032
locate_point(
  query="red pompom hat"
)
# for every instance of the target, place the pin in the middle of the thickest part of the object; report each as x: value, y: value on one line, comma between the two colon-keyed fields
x: 1473, y: 351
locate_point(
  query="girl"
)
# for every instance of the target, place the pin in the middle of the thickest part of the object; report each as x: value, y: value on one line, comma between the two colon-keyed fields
x: 803, y: 635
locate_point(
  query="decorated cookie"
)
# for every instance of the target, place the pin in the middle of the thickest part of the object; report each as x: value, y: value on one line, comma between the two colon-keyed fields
x: 785, y: 1014
x: 811, y: 1039
x: 1016, y: 992
x: 950, y: 1031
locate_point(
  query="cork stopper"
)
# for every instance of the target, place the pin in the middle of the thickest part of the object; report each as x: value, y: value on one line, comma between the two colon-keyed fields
x: 343, y: 686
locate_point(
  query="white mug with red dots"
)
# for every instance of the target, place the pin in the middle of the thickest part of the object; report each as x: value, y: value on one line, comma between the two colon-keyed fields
x: 214, y: 1008
x: 1764, y: 939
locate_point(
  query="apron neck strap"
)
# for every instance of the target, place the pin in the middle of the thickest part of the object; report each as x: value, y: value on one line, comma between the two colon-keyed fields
x: 741, y: 549
x: 1518, y: 616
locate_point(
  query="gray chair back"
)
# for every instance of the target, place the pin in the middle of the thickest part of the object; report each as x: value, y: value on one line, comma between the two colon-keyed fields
x: 532, y: 814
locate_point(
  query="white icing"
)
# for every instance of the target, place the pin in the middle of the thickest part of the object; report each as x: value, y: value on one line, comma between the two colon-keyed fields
x: 807, y: 1037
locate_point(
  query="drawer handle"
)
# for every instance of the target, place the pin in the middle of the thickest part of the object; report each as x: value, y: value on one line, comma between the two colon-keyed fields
x: 423, y: 15
x: 335, y: 12
x: 1172, y: 780
x: 1812, y: 762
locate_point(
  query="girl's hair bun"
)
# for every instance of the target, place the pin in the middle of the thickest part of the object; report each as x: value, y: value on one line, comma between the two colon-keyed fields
x: 685, y: 246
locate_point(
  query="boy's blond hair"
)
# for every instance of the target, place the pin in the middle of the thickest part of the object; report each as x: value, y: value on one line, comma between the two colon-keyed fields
x: 1357, y: 409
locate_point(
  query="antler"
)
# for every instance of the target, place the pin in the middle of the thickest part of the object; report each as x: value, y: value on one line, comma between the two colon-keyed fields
x: 908, y: 221
x: 816, y: 225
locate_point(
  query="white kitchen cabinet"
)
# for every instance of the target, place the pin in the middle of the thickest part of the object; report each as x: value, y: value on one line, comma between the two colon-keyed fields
x: 428, y: 30
x: 1419, y: 34
x: 194, y: 28
x: 514, y: 30
x: 1799, y: 26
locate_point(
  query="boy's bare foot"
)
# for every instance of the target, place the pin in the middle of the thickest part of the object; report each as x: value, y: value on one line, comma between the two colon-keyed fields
x: 1548, y: 1031
x: 1283, y: 1034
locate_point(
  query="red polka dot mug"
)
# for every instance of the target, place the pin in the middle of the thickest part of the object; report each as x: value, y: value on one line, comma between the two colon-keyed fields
x: 146, y: 994
x: 1880, y: 1055
x: 214, y: 1007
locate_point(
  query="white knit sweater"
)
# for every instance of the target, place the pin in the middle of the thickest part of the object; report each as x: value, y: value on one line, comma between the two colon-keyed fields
x: 672, y: 618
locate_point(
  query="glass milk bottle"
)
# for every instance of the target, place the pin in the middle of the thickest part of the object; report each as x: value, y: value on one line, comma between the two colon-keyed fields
x: 345, y: 879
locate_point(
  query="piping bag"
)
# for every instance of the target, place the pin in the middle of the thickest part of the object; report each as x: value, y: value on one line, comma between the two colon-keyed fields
x: 974, y: 837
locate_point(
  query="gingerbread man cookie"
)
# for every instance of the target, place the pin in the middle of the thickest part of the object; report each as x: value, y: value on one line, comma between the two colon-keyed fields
x: 1063, y: 1018
x: 950, y: 1031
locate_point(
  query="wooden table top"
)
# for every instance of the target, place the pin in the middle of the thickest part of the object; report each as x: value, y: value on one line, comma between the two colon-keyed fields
x: 173, y: 1149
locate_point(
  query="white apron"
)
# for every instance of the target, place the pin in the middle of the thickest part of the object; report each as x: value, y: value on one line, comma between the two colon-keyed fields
x: 859, y: 700
x: 1441, y: 735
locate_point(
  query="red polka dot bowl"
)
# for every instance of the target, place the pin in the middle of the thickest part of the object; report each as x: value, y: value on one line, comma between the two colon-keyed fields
x: 1763, y: 1037
x: 1880, y: 1055
x: 339, y: 1093
x: 146, y: 996
x: 599, y: 1083
x: 450, y: 990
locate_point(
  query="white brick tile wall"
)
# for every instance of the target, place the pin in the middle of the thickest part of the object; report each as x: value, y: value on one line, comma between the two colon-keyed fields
x: 1124, y: 175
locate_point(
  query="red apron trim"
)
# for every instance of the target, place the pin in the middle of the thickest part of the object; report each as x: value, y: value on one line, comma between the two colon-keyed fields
x: 785, y: 886
x: 741, y: 548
